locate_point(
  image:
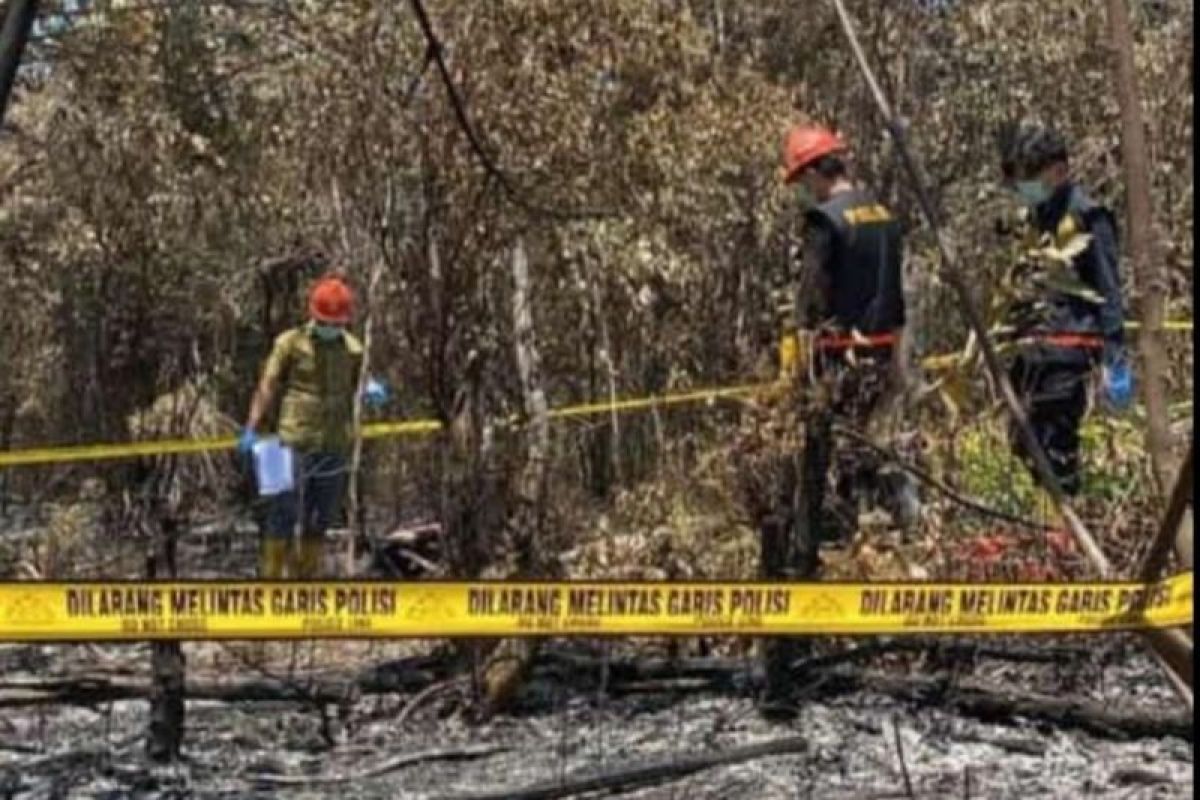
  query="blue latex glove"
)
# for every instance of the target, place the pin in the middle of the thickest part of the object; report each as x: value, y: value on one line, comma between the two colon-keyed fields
x: 246, y: 441
x: 1118, y: 383
x: 375, y: 394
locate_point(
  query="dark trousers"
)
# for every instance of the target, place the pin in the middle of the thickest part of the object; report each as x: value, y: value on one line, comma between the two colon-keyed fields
x: 315, y: 500
x: 791, y: 542
x: 1053, y: 394
x: 855, y: 393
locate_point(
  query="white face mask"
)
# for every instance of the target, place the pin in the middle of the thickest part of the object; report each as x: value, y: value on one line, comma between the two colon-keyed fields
x: 326, y: 333
x: 1033, y: 192
x: 805, y: 195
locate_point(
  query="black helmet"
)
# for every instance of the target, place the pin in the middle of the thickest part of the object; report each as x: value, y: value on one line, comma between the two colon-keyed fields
x: 1027, y: 149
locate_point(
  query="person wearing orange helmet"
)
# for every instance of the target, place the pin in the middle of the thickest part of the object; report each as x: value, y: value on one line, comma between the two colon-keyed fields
x: 313, y: 372
x: 842, y: 324
x: 848, y: 319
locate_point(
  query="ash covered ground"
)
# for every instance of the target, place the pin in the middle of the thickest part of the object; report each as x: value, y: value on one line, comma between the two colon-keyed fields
x: 858, y: 744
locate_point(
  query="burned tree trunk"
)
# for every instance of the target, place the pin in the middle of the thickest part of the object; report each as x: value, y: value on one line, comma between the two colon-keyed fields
x: 510, y: 662
x: 164, y: 739
x: 776, y: 483
x: 528, y: 520
x: 1143, y: 247
x: 1152, y: 281
x: 356, y: 510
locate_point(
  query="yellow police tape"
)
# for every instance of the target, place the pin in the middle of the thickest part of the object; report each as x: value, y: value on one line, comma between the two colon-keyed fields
x: 342, y: 609
x: 375, y: 430
x: 419, y: 427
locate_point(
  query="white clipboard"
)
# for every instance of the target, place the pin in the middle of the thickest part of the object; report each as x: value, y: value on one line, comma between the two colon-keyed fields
x: 272, y: 466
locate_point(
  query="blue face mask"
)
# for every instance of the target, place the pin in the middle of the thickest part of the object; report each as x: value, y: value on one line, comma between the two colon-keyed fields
x: 805, y: 196
x: 326, y: 333
x: 1033, y: 192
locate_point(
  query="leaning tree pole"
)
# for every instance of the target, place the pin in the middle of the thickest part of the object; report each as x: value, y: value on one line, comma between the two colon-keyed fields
x: 1170, y: 647
x: 18, y: 22
x: 1144, y: 251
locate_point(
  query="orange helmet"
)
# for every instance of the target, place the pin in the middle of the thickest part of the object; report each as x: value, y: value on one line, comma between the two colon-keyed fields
x: 331, y: 301
x: 806, y: 144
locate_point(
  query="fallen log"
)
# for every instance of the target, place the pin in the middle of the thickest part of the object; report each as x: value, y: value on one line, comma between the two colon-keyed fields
x: 659, y: 771
x: 956, y: 650
x: 88, y: 690
x: 1023, y: 746
x: 992, y: 703
x: 718, y: 672
x: 389, y: 765
x: 85, y: 691
x: 642, y: 675
x: 628, y: 676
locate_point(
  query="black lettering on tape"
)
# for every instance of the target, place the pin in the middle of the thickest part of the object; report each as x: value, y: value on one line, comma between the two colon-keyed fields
x: 695, y: 602
x: 910, y: 602
x: 1141, y: 599
x: 975, y: 602
x: 364, y: 600
x: 622, y: 602
x: 130, y: 601
x: 79, y: 603
x: 542, y: 601
x: 479, y: 601
x: 1021, y: 601
x: 758, y: 602
x: 1083, y: 601
x: 872, y: 601
x: 583, y: 602
x: 306, y: 600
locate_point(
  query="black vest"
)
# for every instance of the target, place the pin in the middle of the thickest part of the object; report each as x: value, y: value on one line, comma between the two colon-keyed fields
x: 864, y: 263
x: 1065, y: 215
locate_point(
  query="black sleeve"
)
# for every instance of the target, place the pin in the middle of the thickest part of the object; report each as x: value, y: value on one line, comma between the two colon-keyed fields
x: 1105, y: 257
x: 812, y: 282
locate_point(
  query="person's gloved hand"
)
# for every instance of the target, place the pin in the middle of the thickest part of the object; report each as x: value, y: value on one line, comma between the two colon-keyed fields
x: 1117, y: 382
x: 375, y: 394
x: 795, y: 354
x: 246, y: 441
x: 788, y: 355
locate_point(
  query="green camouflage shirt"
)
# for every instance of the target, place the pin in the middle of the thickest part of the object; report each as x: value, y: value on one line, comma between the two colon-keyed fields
x: 317, y: 381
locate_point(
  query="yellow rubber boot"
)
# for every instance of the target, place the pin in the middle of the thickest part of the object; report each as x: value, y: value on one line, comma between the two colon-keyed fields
x: 789, y: 350
x: 273, y: 558
x: 309, y: 553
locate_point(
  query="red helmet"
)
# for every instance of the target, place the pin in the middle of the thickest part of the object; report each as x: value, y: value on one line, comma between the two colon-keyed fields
x: 331, y: 301
x: 806, y: 144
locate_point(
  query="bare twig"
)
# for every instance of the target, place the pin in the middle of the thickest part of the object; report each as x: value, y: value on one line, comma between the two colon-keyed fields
x: 908, y: 787
x: 417, y: 559
x: 460, y: 114
x: 1026, y: 746
x: 422, y: 696
x: 363, y: 376
x: 1181, y: 498
x: 929, y: 480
